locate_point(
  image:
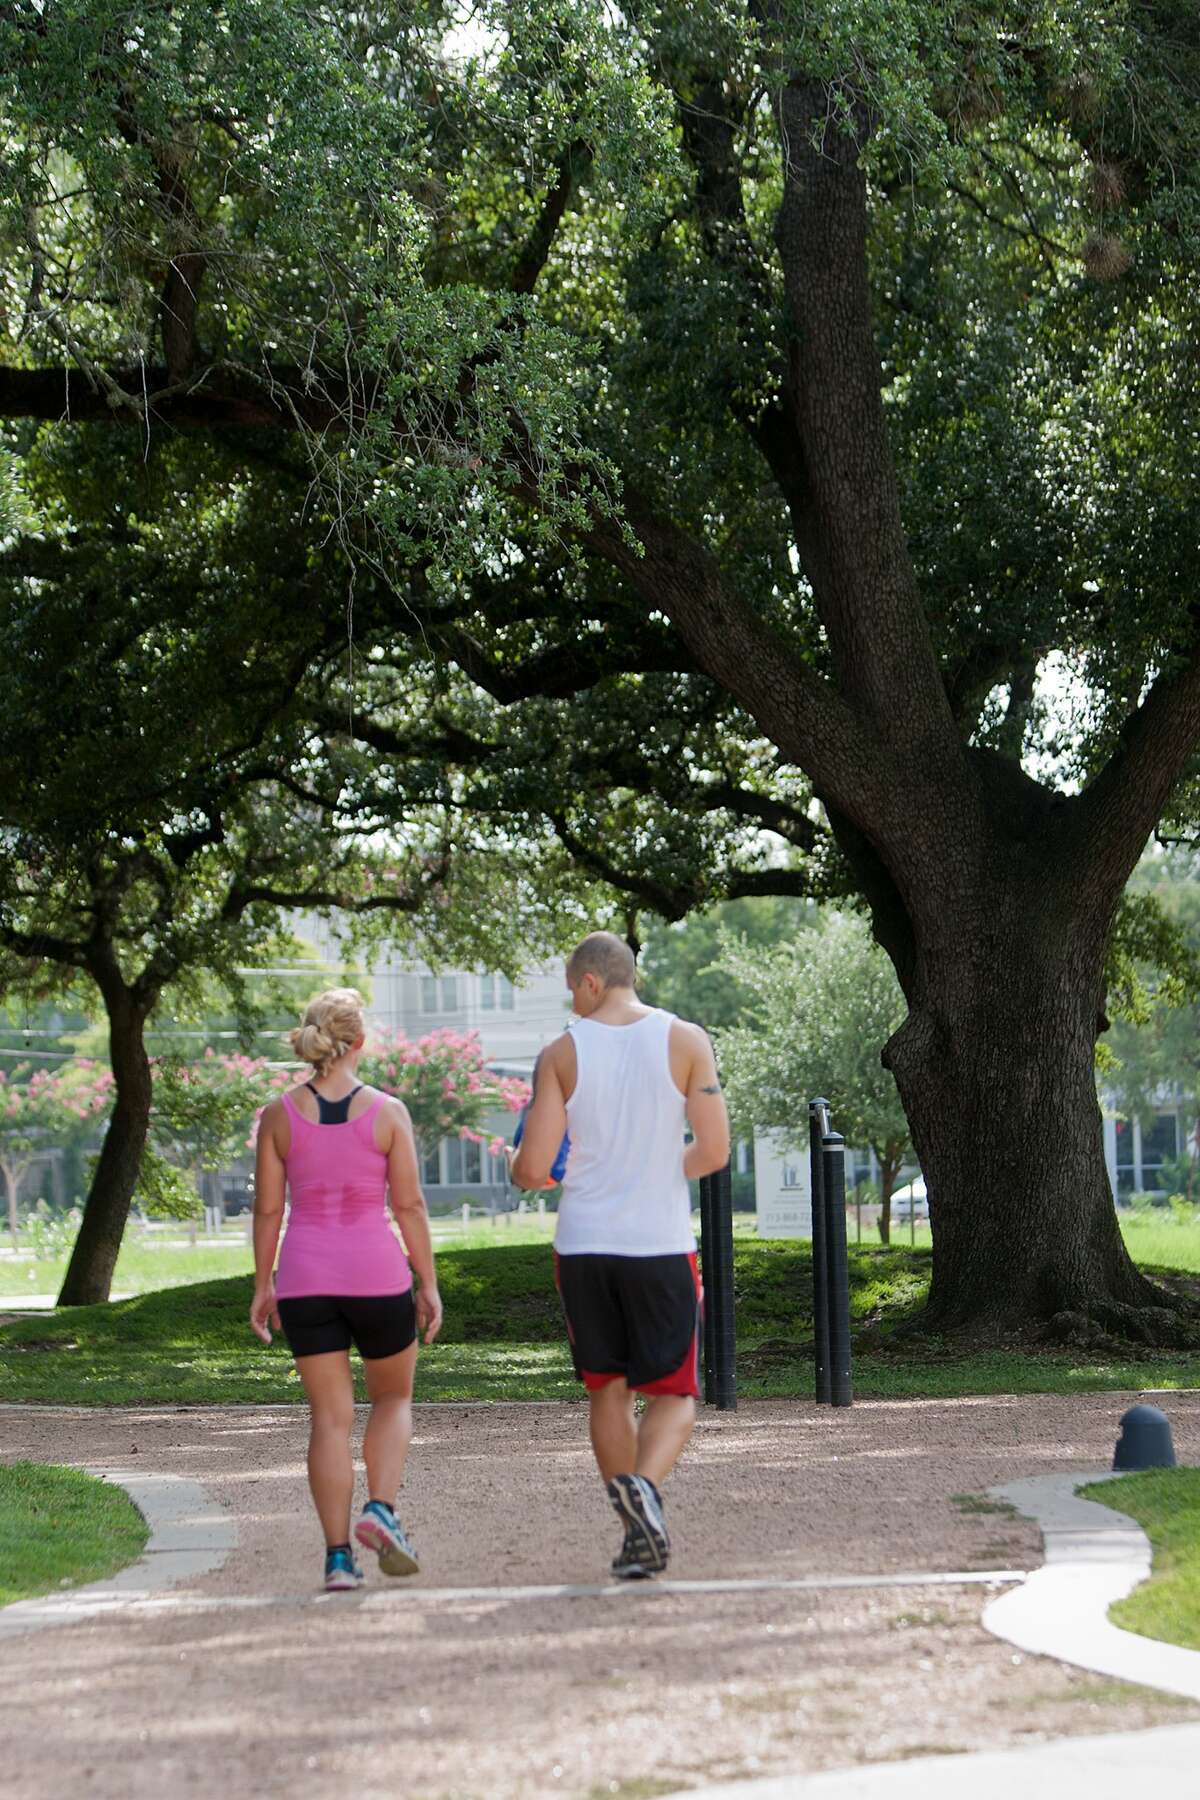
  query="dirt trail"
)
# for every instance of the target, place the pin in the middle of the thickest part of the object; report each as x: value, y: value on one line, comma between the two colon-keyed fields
x: 389, y: 1693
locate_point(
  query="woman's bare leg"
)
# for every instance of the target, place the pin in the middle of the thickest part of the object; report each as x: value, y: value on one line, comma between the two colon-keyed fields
x: 330, y: 1392
x: 389, y: 1428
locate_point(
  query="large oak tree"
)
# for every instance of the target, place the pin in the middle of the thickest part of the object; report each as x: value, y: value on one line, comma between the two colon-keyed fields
x: 825, y: 368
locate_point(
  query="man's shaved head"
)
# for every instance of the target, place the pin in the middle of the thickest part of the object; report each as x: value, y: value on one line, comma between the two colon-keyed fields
x: 605, y: 956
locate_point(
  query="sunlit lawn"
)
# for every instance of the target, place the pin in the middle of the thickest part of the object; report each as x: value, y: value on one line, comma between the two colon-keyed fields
x: 1166, y: 1502
x: 503, y: 1339
x: 159, y: 1259
x: 152, y: 1260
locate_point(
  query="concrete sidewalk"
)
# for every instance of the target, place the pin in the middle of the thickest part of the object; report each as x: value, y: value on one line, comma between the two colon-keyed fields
x: 1110, y: 1767
x: 508, y: 1670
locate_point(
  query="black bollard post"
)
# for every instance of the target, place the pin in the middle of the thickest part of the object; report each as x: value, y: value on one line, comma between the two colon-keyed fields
x: 833, y: 1184
x: 818, y: 1125
x: 707, y: 1259
x: 719, y: 1296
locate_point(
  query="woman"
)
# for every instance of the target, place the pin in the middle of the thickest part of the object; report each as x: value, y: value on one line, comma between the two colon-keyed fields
x: 341, y: 1149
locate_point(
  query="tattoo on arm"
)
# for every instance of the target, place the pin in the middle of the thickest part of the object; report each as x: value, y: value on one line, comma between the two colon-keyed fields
x: 713, y: 1088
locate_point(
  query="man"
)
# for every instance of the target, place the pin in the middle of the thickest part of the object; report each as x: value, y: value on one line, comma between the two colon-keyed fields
x: 624, y: 1081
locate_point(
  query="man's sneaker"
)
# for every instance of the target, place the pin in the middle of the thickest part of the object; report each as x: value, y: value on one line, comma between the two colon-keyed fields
x: 381, y: 1531
x: 629, y: 1564
x: 638, y: 1504
x: 341, y: 1571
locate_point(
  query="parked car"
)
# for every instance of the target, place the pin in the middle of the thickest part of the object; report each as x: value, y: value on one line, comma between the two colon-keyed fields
x: 910, y: 1201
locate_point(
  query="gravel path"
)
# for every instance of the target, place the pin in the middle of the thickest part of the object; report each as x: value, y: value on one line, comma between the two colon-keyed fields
x: 499, y: 1699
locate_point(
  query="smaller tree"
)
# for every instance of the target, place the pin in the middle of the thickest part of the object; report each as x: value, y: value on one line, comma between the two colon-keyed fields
x: 445, y: 1083
x: 40, y: 1108
x: 819, y: 1012
x: 201, y: 1119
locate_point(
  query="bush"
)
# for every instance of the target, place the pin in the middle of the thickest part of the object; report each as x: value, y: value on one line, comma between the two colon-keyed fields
x: 165, y: 1192
x: 50, y: 1236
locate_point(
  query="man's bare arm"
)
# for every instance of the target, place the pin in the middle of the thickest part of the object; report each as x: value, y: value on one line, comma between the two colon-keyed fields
x: 545, y: 1122
x: 706, y: 1111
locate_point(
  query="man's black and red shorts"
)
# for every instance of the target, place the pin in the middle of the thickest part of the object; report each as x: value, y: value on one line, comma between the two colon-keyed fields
x: 636, y: 1317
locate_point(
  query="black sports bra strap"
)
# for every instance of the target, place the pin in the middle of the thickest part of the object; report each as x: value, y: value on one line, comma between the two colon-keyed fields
x: 333, y: 1112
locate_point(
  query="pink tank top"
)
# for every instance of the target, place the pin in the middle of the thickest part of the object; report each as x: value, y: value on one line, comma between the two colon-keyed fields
x: 338, y: 1238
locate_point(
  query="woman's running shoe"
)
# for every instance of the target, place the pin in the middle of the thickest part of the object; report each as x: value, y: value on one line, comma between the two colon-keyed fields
x: 341, y: 1571
x: 638, y: 1504
x: 381, y: 1531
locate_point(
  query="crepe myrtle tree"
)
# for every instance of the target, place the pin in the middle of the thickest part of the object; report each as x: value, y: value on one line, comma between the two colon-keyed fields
x: 816, y: 1018
x: 444, y: 1082
x: 201, y: 1115
x: 41, y: 1108
x: 827, y: 365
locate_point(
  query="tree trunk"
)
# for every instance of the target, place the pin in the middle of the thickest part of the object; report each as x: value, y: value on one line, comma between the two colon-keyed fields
x: 996, y: 1070
x: 89, y: 1274
x: 888, y: 1171
x: 10, y: 1186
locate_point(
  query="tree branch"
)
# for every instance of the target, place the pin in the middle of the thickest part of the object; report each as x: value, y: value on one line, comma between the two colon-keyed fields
x: 572, y: 166
x: 43, y: 946
x: 1111, y: 820
x: 855, y: 552
x: 805, y: 716
x: 565, y: 669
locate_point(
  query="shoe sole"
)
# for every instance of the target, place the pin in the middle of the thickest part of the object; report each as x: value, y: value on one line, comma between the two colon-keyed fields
x: 636, y: 1574
x: 392, y: 1559
x: 342, y: 1584
x: 633, y: 1517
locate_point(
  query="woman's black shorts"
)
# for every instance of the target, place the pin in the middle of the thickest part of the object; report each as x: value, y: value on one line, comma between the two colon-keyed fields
x: 377, y: 1324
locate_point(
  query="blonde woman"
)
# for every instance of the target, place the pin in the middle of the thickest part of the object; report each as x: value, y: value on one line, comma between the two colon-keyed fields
x: 341, y: 1150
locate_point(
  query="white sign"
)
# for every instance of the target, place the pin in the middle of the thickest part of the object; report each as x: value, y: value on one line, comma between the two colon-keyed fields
x: 782, y: 1187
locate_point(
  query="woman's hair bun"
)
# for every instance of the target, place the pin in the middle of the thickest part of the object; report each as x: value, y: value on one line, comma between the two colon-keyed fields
x: 333, y: 1023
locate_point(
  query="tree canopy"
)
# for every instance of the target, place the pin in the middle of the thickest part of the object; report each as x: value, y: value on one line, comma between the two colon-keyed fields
x: 712, y: 410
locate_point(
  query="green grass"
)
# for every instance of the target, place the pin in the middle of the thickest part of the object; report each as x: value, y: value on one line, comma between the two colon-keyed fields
x: 503, y: 1340
x: 153, y: 1259
x: 147, y: 1262
x: 1166, y: 1502
x: 59, y: 1527
x: 1155, y: 1240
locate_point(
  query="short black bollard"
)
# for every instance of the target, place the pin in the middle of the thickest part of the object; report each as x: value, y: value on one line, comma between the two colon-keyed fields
x: 1145, y: 1441
x: 833, y: 1185
x: 831, y: 1285
x: 716, y: 1258
x: 818, y: 1125
x: 708, y: 1317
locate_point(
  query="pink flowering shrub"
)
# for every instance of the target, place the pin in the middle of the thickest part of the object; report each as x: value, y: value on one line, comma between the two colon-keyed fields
x: 42, y: 1107
x: 445, y: 1083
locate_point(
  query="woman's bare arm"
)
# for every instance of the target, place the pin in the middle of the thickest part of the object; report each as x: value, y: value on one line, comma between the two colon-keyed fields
x: 269, y: 1193
x: 410, y: 1213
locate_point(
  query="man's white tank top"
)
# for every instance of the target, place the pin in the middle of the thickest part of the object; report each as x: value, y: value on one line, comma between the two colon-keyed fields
x: 624, y: 1191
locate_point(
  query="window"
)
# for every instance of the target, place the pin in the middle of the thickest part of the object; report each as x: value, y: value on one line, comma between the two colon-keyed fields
x: 449, y: 993
x: 496, y: 993
x: 1125, y: 1172
x: 1160, y: 1142
x: 429, y: 993
x: 505, y: 990
x: 495, y: 1170
x: 431, y: 1166
x: 463, y: 1161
